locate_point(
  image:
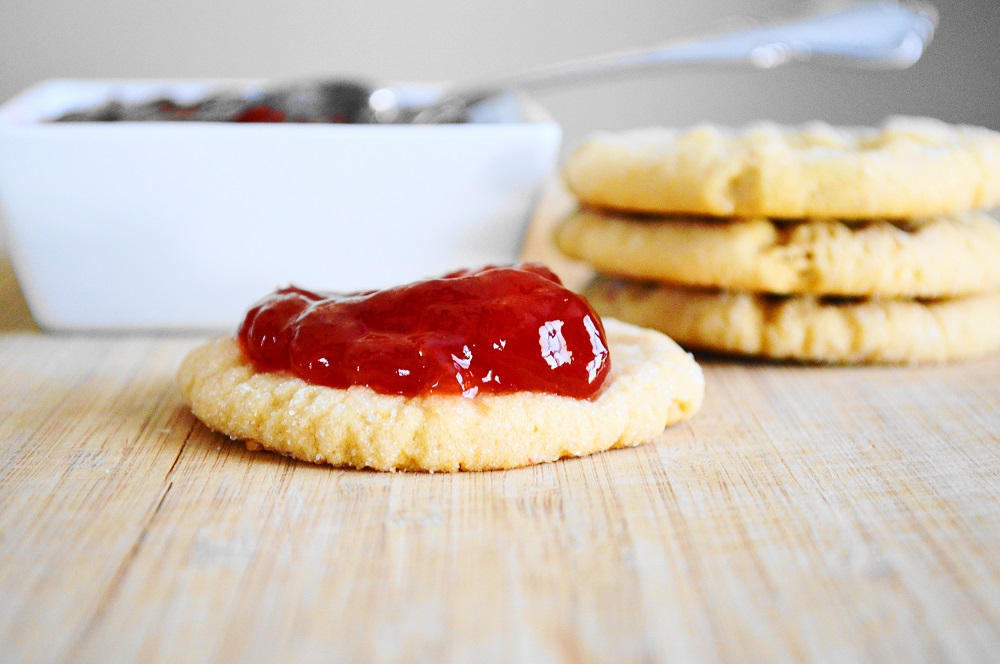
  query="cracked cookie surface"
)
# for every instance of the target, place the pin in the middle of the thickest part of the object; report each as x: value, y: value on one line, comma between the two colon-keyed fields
x: 943, y: 256
x: 807, y: 328
x: 653, y: 384
x: 908, y: 167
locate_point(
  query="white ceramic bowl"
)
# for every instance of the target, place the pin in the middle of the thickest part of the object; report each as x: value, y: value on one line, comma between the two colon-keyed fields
x: 160, y: 225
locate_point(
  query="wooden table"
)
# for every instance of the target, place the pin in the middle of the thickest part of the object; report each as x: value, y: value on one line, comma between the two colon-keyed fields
x: 825, y: 514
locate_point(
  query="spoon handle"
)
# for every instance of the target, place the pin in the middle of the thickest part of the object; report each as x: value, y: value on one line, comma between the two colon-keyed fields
x: 879, y: 36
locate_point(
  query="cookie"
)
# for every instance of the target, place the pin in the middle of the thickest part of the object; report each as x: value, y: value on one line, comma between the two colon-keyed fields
x: 942, y: 256
x: 909, y: 167
x: 808, y: 328
x: 653, y: 383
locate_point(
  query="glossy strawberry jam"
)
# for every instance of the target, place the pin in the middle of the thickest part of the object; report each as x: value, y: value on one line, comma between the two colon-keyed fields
x: 493, y: 331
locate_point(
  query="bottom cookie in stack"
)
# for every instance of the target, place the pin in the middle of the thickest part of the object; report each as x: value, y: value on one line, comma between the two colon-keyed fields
x: 807, y: 328
x: 880, y: 291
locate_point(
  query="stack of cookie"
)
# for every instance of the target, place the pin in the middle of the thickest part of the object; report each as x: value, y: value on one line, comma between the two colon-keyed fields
x: 815, y: 243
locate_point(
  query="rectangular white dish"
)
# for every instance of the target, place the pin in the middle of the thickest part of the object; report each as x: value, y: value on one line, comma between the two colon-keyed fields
x: 183, y: 225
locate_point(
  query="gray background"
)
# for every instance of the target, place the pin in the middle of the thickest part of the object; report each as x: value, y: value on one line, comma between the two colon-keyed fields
x: 440, y: 40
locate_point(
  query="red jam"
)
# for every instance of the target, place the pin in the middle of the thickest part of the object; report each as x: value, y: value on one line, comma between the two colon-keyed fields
x: 261, y: 113
x: 493, y: 331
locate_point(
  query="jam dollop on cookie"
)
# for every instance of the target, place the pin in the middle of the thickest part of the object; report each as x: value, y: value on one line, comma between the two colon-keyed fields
x: 496, y: 330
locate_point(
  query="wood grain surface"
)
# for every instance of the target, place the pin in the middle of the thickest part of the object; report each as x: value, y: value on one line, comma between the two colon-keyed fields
x: 805, y: 514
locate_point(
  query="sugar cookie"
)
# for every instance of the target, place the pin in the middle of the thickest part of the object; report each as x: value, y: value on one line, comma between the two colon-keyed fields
x: 909, y: 167
x: 943, y: 256
x: 808, y: 328
x: 653, y: 383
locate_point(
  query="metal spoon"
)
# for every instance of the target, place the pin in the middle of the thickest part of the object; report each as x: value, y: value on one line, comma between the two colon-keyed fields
x: 879, y: 36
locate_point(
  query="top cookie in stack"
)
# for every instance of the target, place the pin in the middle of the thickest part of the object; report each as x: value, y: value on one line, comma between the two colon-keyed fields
x: 813, y: 243
x: 909, y: 167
